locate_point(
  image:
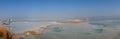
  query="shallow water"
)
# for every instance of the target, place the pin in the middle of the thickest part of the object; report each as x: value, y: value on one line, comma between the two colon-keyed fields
x: 71, y: 31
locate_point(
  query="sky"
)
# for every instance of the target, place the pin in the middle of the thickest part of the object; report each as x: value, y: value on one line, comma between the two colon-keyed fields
x: 58, y: 8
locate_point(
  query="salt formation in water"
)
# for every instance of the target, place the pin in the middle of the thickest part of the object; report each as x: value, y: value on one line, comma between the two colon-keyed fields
x: 57, y: 29
x: 44, y: 27
x: 102, y: 25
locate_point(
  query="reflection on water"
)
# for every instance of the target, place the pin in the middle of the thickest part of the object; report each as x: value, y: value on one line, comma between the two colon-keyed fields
x: 90, y: 30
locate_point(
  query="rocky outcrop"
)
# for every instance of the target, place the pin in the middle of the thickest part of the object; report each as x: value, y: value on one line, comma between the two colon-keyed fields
x: 5, y: 32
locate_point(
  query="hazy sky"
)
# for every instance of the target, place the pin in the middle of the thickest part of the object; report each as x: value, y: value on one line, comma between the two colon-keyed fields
x: 58, y: 8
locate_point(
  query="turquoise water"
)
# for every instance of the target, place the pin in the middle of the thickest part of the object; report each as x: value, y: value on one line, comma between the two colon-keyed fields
x: 89, y: 30
x: 57, y: 29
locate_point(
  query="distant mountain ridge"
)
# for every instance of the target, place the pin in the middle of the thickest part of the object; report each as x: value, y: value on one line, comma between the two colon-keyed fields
x: 104, y: 18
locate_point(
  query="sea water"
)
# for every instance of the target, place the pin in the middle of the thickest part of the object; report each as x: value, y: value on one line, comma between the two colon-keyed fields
x: 71, y: 31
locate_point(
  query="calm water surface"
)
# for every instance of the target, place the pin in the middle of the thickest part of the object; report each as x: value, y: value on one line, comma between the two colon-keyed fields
x: 71, y: 31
